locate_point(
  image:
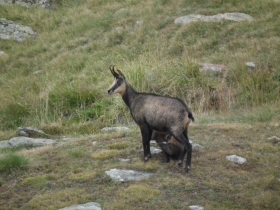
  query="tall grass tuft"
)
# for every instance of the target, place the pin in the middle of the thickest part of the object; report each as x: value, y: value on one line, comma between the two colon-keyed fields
x: 12, y: 161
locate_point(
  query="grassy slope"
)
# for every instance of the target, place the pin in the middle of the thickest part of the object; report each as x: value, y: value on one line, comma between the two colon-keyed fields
x: 76, y: 44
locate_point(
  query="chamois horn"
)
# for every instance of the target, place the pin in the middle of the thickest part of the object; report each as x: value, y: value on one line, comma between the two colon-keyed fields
x: 112, y: 69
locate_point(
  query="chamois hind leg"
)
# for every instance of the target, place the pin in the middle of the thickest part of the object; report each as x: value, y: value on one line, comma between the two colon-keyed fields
x: 184, y: 140
x: 146, y: 138
x: 189, y: 152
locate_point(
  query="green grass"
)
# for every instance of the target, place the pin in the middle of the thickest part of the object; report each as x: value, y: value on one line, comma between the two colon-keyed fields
x: 156, y: 56
x: 77, y: 169
x: 11, y: 161
x: 76, y: 43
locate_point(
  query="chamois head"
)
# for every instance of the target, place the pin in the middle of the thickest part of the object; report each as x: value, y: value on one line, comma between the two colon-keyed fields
x: 119, y: 83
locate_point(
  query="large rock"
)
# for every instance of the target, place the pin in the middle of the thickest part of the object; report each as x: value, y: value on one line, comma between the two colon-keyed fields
x: 185, y: 20
x: 274, y: 139
x: 236, y: 159
x: 12, y: 30
x: 121, y: 175
x: 87, y: 206
x: 46, y: 4
x: 30, y: 142
x: 31, y: 132
x: 5, y: 144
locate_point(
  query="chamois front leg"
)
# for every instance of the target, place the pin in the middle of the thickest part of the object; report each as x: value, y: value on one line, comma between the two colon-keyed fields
x: 184, y: 140
x: 146, y: 137
x: 189, y: 151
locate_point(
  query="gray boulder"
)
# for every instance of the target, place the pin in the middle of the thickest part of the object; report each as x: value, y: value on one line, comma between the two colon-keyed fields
x: 274, y: 139
x: 154, y: 150
x: 16, y: 31
x: 195, y: 207
x: 116, y: 129
x: 31, y: 142
x: 236, y: 159
x: 5, y: 144
x: 251, y: 65
x: 26, y: 142
x: 87, y: 206
x: 31, y: 132
x: 121, y: 175
x: 188, y: 19
x: 46, y: 4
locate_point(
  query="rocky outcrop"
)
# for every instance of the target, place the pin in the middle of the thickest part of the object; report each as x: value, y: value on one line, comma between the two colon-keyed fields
x: 31, y: 132
x: 188, y: 19
x: 46, y: 4
x: 236, y: 159
x: 26, y: 142
x: 120, y: 175
x: 87, y: 206
x: 16, y: 31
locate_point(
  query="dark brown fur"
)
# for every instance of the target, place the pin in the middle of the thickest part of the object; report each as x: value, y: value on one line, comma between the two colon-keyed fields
x: 170, y: 147
x: 154, y: 112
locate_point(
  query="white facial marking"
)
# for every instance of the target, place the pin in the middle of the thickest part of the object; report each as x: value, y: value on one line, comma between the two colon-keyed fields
x: 120, y: 89
x: 115, y: 81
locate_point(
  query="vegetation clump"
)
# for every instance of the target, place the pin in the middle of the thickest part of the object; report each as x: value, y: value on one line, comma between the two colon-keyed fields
x: 58, y: 83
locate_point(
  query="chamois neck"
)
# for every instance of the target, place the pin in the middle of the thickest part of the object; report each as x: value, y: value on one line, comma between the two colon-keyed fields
x: 129, y: 95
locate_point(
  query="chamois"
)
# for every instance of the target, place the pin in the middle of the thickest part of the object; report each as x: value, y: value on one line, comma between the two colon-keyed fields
x: 155, y: 112
x: 170, y: 147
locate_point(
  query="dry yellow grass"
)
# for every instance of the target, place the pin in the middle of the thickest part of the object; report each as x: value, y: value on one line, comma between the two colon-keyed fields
x: 76, y: 44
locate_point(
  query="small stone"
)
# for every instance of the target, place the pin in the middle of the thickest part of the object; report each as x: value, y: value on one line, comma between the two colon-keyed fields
x: 121, y: 175
x: 138, y: 23
x: 236, y: 159
x: 195, y: 207
x: 213, y: 67
x: 31, y: 132
x: 124, y: 160
x: 38, y: 72
x: 154, y: 150
x: 188, y: 19
x: 274, y: 139
x: 251, y: 64
x: 87, y: 206
x: 196, y: 146
x: 153, y: 142
x: 115, y: 129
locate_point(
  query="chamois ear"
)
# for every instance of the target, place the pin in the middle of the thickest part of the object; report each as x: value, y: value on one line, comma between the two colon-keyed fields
x: 120, y: 73
x: 112, y: 69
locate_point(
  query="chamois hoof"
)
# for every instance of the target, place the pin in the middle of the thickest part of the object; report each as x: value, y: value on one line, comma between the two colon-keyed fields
x: 179, y: 162
x: 147, y: 158
x: 187, y: 169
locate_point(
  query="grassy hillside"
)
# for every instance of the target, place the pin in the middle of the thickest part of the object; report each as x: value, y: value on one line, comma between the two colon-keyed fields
x: 76, y: 43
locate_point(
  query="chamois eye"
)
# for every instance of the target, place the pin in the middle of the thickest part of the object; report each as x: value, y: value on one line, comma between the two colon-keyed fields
x: 119, y: 81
